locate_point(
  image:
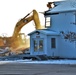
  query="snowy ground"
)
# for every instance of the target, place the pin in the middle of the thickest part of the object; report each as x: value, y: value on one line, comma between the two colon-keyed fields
x: 40, y: 62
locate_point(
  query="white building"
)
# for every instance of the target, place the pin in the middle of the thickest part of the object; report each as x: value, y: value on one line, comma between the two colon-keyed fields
x: 59, y: 39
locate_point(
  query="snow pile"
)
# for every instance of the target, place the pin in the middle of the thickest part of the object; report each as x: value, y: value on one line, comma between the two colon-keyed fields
x: 49, y: 62
x: 40, y: 62
x: 5, y: 62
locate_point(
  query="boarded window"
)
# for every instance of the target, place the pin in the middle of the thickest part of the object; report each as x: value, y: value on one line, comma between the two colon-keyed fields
x: 53, y: 43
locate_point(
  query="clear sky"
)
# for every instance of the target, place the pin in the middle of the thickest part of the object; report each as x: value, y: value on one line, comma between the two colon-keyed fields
x: 11, y: 11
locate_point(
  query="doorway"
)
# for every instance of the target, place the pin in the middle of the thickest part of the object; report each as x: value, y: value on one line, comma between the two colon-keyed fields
x: 38, y: 45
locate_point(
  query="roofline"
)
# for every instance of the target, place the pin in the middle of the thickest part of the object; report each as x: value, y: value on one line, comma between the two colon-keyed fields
x: 42, y: 33
x: 64, y: 11
x: 57, y: 12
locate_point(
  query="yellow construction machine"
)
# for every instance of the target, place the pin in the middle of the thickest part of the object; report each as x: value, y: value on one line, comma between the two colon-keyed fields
x: 18, y: 40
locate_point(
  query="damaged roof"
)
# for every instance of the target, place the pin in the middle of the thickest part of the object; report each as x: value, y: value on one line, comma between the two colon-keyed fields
x: 64, y: 6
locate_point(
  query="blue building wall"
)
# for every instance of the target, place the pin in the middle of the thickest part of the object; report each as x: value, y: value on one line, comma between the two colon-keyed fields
x: 67, y: 49
x: 47, y: 50
x: 63, y: 22
x: 53, y: 52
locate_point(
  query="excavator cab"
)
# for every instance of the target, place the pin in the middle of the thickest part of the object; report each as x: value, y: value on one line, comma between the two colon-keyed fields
x: 22, y: 38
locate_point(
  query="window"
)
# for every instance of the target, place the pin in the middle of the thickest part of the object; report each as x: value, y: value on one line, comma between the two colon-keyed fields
x: 40, y: 45
x: 53, y: 43
x: 35, y: 45
x: 47, y: 21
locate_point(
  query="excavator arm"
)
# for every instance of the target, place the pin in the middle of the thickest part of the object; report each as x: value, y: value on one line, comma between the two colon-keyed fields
x: 26, y: 20
x: 15, y: 42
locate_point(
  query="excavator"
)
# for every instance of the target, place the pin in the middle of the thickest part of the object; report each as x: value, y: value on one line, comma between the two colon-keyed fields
x: 16, y: 41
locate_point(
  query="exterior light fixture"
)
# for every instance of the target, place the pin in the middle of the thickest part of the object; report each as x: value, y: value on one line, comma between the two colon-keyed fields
x: 37, y: 32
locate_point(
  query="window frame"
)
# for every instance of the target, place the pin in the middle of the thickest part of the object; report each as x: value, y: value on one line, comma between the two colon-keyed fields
x: 38, y: 45
x: 47, y: 21
x: 35, y: 45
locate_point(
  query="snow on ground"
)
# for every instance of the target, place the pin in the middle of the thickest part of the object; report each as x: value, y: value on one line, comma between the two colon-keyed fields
x: 40, y: 62
x: 50, y: 62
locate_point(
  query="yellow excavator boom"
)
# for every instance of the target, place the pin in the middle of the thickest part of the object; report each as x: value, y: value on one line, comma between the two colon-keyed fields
x: 26, y: 20
x: 15, y: 41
